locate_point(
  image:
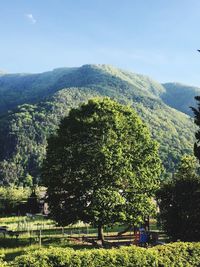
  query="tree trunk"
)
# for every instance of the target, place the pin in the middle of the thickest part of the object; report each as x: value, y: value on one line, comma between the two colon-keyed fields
x: 100, y: 233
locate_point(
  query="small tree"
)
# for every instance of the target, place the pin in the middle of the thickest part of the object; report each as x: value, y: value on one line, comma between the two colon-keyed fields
x: 101, y: 167
x: 179, y: 202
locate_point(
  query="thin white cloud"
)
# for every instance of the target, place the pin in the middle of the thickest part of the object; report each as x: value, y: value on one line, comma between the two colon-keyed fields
x: 31, y: 19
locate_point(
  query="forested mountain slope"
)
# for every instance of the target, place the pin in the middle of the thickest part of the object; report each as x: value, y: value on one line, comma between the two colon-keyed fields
x: 180, y: 96
x: 24, y: 130
x: 16, y: 89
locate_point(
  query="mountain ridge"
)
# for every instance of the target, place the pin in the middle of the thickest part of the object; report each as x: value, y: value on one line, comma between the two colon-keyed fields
x: 26, y: 127
x: 54, y: 80
x: 167, y: 92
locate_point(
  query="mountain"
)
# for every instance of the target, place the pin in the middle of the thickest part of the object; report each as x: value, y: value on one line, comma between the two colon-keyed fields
x: 32, y: 106
x: 16, y: 89
x: 180, y: 96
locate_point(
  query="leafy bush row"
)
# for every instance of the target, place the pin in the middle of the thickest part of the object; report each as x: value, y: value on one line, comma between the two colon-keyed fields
x: 175, y: 254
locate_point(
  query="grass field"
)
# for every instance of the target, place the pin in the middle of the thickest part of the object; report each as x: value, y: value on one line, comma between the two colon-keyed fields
x: 40, y: 230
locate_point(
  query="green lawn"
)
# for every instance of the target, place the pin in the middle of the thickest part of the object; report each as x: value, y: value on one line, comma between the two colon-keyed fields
x: 50, y: 234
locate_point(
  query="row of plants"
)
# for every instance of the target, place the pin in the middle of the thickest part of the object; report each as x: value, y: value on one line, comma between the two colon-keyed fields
x: 174, y: 254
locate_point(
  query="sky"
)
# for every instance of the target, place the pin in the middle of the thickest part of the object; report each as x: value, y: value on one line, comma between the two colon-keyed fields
x: 157, y: 38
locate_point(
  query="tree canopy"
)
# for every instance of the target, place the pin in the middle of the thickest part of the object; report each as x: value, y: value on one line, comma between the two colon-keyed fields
x: 101, y: 166
x: 179, y: 202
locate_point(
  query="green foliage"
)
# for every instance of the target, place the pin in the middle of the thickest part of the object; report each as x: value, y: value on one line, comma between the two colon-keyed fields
x: 108, y: 205
x: 183, y: 254
x: 17, y: 89
x: 197, y: 122
x: 3, y: 263
x: 102, y: 166
x: 11, y: 198
x: 23, y: 149
x: 24, y: 131
x: 171, y: 255
x: 179, y: 202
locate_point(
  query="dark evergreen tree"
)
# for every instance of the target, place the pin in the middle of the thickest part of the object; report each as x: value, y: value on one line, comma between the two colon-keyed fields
x: 197, y: 122
x: 179, y: 202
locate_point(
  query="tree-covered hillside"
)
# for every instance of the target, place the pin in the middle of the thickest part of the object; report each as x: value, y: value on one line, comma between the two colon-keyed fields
x: 24, y: 130
x: 180, y: 96
x: 18, y: 89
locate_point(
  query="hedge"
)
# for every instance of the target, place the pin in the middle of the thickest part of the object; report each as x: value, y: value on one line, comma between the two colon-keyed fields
x: 179, y: 254
x: 175, y: 254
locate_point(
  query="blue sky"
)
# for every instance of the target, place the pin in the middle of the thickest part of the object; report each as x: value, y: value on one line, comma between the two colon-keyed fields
x: 154, y: 37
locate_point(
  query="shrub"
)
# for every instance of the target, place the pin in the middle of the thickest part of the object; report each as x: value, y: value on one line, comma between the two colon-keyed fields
x: 179, y: 254
x: 175, y: 254
x: 2, y: 262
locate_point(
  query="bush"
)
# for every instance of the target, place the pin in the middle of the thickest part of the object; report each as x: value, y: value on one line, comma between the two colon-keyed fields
x: 175, y: 254
x: 13, y: 199
x: 2, y: 262
x: 179, y: 254
x: 59, y: 257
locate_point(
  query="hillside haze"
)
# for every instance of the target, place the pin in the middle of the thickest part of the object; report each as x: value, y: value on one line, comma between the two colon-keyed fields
x: 32, y: 105
x: 180, y: 96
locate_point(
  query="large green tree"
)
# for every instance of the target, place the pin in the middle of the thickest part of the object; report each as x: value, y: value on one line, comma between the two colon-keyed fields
x: 101, y: 166
x: 179, y: 202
